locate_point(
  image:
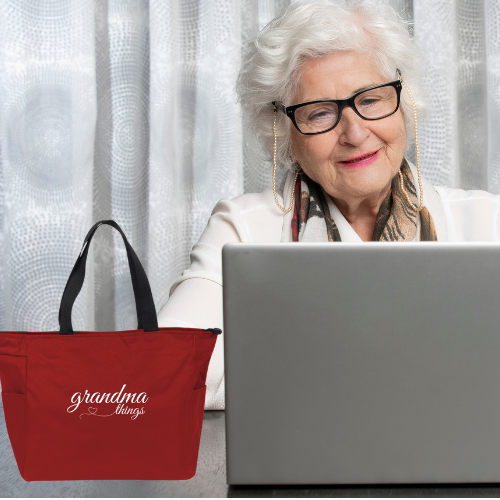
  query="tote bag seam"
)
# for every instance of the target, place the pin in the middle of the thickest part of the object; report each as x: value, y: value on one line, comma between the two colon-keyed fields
x: 25, y: 450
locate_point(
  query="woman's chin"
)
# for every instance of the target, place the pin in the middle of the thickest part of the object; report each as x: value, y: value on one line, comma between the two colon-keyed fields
x: 371, y: 182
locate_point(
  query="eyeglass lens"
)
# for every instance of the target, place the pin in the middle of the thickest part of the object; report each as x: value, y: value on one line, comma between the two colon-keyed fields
x: 371, y: 104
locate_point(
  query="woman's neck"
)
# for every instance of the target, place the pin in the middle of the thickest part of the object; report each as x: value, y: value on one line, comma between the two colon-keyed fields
x: 361, y: 214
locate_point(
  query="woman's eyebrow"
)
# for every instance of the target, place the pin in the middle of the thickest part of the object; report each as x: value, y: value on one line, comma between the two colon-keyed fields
x: 365, y: 87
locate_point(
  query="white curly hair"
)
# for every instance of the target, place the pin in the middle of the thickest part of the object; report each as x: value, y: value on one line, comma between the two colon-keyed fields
x: 315, y: 28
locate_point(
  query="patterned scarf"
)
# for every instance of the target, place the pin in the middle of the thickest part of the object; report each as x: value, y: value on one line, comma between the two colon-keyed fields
x: 396, y: 220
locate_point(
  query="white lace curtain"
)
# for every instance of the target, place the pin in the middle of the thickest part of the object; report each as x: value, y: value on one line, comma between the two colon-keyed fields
x: 126, y: 110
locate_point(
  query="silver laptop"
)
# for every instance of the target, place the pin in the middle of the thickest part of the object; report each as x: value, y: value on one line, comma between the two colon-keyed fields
x: 362, y: 363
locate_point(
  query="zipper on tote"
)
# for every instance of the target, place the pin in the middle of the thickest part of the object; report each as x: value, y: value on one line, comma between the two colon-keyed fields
x: 217, y: 331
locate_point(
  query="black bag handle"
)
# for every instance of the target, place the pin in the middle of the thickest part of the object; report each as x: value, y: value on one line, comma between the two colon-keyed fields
x: 146, y: 312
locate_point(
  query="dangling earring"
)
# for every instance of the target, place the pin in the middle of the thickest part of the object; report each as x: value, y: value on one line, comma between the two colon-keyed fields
x: 416, y: 155
x: 274, y: 171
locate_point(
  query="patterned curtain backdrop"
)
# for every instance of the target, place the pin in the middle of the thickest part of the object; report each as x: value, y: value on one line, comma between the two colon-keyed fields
x: 126, y: 109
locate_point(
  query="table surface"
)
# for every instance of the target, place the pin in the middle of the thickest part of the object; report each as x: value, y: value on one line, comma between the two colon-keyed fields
x: 209, y: 481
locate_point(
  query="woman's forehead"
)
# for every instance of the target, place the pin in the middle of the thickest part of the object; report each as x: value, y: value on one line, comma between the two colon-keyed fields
x: 336, y: 76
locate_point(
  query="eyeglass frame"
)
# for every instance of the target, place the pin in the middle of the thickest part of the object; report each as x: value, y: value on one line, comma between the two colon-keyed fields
x: 341, y: 103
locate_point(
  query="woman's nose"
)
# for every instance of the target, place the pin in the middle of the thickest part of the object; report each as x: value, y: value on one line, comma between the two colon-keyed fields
x: 352, y: 129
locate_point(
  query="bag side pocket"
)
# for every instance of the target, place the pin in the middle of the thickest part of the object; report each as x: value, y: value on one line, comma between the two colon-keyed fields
x: 197, y: 419
x: 198, y: 409
x: 14, y: 407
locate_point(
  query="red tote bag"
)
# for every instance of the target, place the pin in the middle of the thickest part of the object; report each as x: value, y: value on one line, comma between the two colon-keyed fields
x: 106, y: 405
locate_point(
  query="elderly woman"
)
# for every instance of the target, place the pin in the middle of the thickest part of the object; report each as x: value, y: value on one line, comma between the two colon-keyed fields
x: 333, y: 93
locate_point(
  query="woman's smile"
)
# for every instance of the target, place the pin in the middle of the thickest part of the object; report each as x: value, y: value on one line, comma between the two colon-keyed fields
x: 360, y: 161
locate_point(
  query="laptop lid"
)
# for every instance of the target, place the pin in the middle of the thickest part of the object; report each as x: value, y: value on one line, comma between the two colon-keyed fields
x: 362, y: 363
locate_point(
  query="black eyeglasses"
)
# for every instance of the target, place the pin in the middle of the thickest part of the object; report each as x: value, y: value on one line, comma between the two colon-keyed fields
x: 317, y: 117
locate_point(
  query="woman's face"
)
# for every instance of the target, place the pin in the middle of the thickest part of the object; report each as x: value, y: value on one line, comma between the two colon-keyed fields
x: 323, y: 157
